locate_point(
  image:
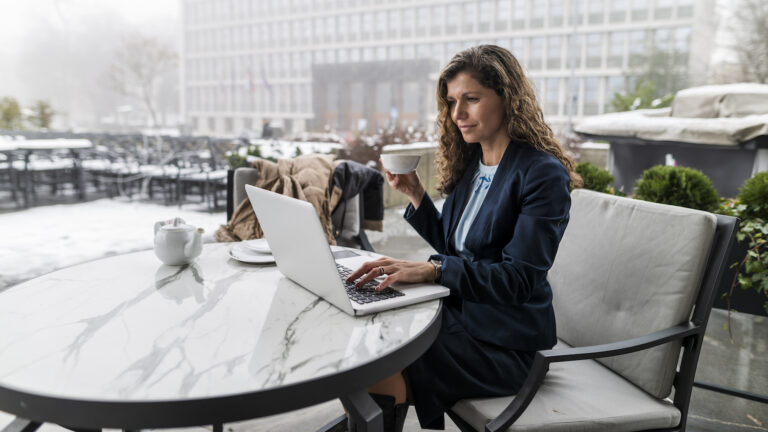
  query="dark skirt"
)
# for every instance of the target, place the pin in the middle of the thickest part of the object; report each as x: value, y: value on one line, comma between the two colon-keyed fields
x: 458, y: 366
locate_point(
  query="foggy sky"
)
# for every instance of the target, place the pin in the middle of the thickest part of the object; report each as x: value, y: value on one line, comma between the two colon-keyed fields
x: 59, y: 51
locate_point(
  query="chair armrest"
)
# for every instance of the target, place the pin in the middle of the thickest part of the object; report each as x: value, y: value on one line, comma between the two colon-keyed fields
x: 543, y: 358
x: 627, y: 346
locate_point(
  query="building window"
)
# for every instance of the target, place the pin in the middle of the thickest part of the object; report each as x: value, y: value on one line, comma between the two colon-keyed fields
x: 684, y: 8
x: 486, y: 16
x: 637, y: 47
x: 552, y: 99
x: 368, y: 54
x: 615, y: 87
x: 576, y: 12
x: 663, y: 9
x: 381, y: 25
x: 554, y: 44
x: 575, y: 48
x: 354, y: 55
x: 556, y: 12
x: 518, y: 50
x: 639, y: 10
x: 395, y: 52
x: 519, y: 13
x: 394, y: 23
x: 331, y: 29
x: 594, y: 50
x: 437, y: 18
x: 367, y: 25
x: 438, y: 53
x: 591, y: 96
x: 381, y: 53
x: 619, y: 11
x: 422, y: 19
x: 536, y: 53
x: 682, y: 42
x: 354, y: 27
x: 469, y: 17
x: 616, y: 43
x: 538, y: 11
x: 452, y: 19
x: 409, y: 52
x: 408, y: 19
x: 503, y: 13
x: 596, y: 11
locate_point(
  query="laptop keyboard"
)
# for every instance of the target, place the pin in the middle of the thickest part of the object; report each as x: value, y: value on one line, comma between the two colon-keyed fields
x: 366, y: 293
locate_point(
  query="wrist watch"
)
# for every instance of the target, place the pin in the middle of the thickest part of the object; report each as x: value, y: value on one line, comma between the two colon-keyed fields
x: 438, y: 263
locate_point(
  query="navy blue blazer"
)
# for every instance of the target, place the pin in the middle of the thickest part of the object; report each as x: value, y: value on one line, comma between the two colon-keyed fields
x: 502, y: 296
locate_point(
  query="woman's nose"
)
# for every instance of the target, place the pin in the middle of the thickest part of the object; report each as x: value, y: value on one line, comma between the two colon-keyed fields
x: 458, y: 111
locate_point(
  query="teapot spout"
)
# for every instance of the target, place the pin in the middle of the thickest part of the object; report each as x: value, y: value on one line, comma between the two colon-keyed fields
x: 195, y: 244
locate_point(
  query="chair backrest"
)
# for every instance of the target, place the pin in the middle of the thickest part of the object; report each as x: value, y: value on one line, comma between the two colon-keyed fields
x: 626, y: 268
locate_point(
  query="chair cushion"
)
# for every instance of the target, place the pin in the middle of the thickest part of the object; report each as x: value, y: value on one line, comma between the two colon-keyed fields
x: 578, y: 396
x: 626, y: 268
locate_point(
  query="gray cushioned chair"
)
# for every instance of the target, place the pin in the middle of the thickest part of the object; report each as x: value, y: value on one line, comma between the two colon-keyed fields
x: 347, y: 218
x: 633, y: 286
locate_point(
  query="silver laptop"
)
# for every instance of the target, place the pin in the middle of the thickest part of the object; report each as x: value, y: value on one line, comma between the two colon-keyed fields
x: 298, y: 242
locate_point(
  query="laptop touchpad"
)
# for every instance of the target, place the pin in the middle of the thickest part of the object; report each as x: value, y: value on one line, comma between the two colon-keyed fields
x: 340, y: 254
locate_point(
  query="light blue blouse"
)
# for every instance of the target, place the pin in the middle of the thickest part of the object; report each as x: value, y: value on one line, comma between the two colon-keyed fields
x: 480, y: 184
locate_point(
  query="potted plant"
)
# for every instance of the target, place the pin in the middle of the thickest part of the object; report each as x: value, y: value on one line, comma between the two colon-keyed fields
x: 749, y: 257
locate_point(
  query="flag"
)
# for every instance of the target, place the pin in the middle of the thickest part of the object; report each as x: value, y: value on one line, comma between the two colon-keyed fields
x: 264, y: 79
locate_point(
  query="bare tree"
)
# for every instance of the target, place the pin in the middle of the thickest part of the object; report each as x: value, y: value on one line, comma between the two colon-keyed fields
x: 749, y: 27
x: 138, y: 65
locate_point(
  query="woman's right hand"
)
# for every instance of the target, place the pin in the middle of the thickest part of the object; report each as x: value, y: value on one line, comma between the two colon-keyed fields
x: 409, y: 184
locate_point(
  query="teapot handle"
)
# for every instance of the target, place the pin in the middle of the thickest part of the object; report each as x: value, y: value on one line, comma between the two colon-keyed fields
x: 159, y: 224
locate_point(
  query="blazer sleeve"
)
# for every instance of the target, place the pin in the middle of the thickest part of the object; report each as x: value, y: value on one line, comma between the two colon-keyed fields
x: 545, y: 204
x: 428, y: 222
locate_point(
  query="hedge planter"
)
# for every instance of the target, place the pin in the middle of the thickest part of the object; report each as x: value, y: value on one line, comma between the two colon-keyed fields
x: 743, y: 300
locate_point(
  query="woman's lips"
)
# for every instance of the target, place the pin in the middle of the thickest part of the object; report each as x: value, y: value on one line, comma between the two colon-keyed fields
x: 466, y: 128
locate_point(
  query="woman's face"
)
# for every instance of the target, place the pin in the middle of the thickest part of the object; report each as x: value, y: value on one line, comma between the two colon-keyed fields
x: 477, y: 111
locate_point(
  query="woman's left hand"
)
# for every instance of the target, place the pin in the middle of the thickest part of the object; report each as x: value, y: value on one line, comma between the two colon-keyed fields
x: 394, y: 271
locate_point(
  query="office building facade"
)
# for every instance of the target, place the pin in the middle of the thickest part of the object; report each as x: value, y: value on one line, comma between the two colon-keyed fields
x: 318, y: 64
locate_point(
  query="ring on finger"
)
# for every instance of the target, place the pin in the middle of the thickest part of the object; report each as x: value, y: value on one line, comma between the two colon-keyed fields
x: 381, y: 271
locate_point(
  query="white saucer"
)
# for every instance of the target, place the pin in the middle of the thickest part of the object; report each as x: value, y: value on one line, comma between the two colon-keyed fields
x: 246, y: 255
x: 257, y: 245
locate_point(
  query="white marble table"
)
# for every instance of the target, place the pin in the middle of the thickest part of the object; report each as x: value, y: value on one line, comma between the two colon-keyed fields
x: 126, y: 342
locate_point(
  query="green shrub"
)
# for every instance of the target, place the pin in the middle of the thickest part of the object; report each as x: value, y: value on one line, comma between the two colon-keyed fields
x: 235, y: 161
x: 680, y: 186
x: 754, y: 195
x: 596, y: 179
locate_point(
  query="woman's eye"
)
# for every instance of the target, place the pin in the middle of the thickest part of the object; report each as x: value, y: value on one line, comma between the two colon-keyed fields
x: 472, y: 99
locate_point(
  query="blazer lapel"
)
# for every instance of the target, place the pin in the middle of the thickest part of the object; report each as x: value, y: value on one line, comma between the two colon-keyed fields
x: 490, y: 198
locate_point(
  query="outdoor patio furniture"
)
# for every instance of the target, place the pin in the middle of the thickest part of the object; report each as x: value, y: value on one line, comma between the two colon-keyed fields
x: 720, y: 130
x: 625, y: 280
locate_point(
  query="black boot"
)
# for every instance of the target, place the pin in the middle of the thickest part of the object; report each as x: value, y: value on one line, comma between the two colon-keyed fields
x: 393, y: 415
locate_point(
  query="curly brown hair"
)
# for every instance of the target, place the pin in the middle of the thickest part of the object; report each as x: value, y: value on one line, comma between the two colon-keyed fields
x: 497, y: 69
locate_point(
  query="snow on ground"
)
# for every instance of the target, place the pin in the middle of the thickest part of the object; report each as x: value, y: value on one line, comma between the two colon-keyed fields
x: 43, y: 239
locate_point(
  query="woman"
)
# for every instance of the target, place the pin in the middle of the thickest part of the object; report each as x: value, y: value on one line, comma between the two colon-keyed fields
x: 507, y: 184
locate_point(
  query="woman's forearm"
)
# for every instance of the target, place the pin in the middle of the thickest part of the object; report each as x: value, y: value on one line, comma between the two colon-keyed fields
x: 416, y: 196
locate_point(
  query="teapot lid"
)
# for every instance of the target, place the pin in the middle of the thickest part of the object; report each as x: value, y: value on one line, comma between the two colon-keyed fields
x: 177, y: 224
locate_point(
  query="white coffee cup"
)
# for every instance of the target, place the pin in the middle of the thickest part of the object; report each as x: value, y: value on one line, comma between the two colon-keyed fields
x: 400, y: 163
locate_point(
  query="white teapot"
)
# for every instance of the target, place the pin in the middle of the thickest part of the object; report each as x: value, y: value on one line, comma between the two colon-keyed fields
x: 177, y: 243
